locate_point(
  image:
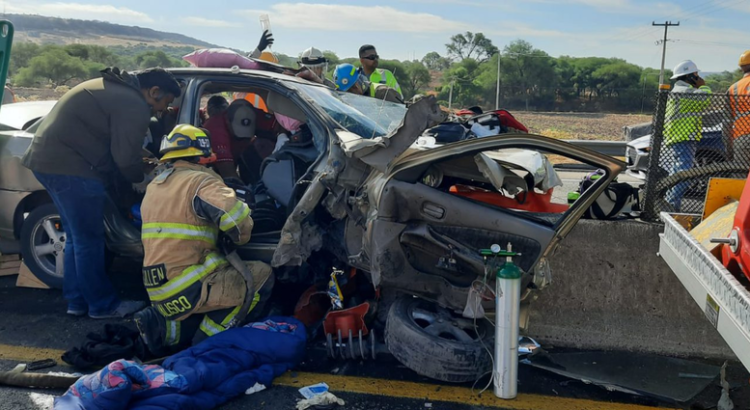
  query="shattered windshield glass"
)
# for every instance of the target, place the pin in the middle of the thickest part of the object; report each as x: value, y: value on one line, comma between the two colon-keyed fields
x: 365, y: 116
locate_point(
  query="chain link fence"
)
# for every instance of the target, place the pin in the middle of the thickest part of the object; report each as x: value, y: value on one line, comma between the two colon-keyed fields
x: 696, y: 137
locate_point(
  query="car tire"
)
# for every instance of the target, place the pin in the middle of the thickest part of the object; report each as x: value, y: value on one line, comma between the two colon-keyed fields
x: 42, y: 266
x: 43, y: 245
x: 437, y: 343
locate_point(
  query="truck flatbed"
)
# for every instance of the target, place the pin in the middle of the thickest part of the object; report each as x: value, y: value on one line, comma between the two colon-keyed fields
x: 724, y: 300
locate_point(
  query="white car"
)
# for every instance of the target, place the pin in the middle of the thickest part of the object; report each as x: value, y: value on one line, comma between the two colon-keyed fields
x: 21, y: 115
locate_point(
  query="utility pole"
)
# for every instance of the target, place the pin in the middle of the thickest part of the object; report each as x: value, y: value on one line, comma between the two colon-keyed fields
x: 666, y: 25
x: 450, y: 95
x: 497, y: 97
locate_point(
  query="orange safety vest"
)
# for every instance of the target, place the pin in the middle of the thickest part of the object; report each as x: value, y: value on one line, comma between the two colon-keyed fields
x: 253, y: 99
x: 739, y: 102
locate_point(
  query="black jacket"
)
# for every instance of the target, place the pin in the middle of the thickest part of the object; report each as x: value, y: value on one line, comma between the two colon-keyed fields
x: 96, y: 128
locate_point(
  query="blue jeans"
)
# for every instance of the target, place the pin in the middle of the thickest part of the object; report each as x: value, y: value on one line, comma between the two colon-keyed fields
x: 683, y: 158
x: 80, y: 202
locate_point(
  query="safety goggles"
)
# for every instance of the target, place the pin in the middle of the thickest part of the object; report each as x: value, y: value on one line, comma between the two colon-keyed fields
x: 372, y: 57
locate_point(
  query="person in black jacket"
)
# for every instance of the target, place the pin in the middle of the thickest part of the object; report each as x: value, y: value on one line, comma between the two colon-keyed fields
x: 96, y: 130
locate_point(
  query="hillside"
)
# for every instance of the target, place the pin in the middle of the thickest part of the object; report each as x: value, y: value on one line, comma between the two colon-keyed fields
x: 53, y: 30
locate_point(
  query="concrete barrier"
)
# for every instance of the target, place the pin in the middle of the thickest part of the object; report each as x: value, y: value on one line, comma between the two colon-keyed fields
x: 611, y: 291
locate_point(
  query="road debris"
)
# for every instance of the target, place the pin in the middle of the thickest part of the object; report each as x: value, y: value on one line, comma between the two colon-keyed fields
x: 258, y: 387
x: 632, y: 373
x: 324, y: 399
x: 725, y: 402
x: 309, y: 392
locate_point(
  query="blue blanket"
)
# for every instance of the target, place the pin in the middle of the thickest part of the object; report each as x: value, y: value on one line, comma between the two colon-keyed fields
x: 203, y: 377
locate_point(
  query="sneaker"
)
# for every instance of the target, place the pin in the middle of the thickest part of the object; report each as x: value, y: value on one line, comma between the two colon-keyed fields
x: 76, y: 311
x: 124, y: 309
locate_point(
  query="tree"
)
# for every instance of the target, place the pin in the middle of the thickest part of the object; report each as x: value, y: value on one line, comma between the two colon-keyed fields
x: 527, y: 73
x: 721, y: 82
x: 470, y: 45
x: 54, y: 65
x: 466, y: 88
x: 93, y: 53
x: 333, y: 59
x: 153, y: 59
x: 21, y: 54
x: 435, y: 62
x: 418, y: 78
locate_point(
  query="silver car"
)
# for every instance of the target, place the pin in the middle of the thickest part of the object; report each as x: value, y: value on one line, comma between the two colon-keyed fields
x: 359, y: 197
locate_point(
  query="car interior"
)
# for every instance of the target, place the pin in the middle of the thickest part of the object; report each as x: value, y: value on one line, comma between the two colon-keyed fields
x: 271, y: 171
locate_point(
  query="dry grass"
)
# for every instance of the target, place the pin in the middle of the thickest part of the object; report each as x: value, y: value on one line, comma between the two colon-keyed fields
x: 579, y: 126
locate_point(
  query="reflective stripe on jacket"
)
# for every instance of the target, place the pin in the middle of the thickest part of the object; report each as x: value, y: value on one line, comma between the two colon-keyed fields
x: 739, y: 103
x: 383, y: 76
x: 183, y: 211
x: 684, y: 114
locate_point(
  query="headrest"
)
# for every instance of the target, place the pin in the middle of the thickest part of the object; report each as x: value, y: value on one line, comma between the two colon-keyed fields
x: 242, y: 119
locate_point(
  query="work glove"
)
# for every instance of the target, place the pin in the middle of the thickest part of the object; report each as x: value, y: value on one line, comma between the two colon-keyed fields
x: 265, y: 40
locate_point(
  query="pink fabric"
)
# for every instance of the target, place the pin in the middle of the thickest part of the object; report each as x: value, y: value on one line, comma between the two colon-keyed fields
x: 290, y: 124
x: 219, y: 58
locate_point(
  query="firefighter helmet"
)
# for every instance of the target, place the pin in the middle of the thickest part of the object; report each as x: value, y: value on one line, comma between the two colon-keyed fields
x: 185, y: 141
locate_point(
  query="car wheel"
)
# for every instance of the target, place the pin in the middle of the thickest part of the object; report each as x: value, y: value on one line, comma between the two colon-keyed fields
x: 43, y: 245
x: 437, y: 343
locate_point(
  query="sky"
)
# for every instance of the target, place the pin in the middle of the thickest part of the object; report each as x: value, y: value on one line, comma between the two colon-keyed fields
x: 713, y: 33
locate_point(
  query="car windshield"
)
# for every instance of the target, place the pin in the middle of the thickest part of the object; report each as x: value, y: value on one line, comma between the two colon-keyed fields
x: 365, y: 116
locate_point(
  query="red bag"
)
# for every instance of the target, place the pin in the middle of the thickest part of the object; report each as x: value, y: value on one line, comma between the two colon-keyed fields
x: 509, y: 121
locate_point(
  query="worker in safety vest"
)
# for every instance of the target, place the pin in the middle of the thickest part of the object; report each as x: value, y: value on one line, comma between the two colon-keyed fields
x: 348, y: 79
x: 739, y: 104
x: 195, y: 292
x: 369, y: 60
x: 683, y: 124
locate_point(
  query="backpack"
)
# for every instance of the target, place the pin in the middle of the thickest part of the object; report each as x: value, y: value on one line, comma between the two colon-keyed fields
x: 618, y: 198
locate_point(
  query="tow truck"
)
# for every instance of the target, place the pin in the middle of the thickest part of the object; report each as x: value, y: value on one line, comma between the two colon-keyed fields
x: 710, y: 254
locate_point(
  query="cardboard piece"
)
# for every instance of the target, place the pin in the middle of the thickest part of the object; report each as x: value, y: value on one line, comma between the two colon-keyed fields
x: 8, y: 258
x: 26, y: 279
x: 9, y: 264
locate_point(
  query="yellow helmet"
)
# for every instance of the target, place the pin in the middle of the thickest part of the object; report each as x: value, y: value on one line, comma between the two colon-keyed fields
x: 269, y: 56
x: 185, y: 141
x: 745, y: 58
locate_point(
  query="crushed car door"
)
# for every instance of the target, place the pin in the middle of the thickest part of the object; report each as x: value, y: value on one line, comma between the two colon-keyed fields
x: 424, y: 237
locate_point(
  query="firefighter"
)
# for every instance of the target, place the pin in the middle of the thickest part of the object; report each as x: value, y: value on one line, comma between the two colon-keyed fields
x: 739, y: 104
x: 683, y: 123
x: 195, y: 291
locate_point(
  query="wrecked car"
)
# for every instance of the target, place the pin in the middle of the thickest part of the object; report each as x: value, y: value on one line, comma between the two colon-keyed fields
x: 400, y: 225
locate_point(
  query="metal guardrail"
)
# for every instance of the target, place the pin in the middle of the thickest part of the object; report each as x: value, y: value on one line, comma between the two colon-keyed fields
x: 611, y: 148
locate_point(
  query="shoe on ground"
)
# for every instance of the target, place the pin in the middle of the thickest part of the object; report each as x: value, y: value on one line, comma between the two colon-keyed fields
x: 151, y: 325
x: 126, y: 307
x: 77, y: 311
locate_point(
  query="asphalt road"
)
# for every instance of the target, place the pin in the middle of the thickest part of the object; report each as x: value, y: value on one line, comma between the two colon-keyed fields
x: 33, y: 326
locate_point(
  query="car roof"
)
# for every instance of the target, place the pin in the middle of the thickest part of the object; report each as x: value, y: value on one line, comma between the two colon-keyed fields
x: 16, y: 115
x: 204, y: 71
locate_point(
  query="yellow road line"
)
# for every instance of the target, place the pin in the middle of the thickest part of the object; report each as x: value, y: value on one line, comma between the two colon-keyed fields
x: 453, y: 394
x: 383, y: 387
x: 29, y: 354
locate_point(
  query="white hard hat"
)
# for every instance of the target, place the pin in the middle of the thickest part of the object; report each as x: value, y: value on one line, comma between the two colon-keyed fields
x: 684, y: 68
x: 312, y: 56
